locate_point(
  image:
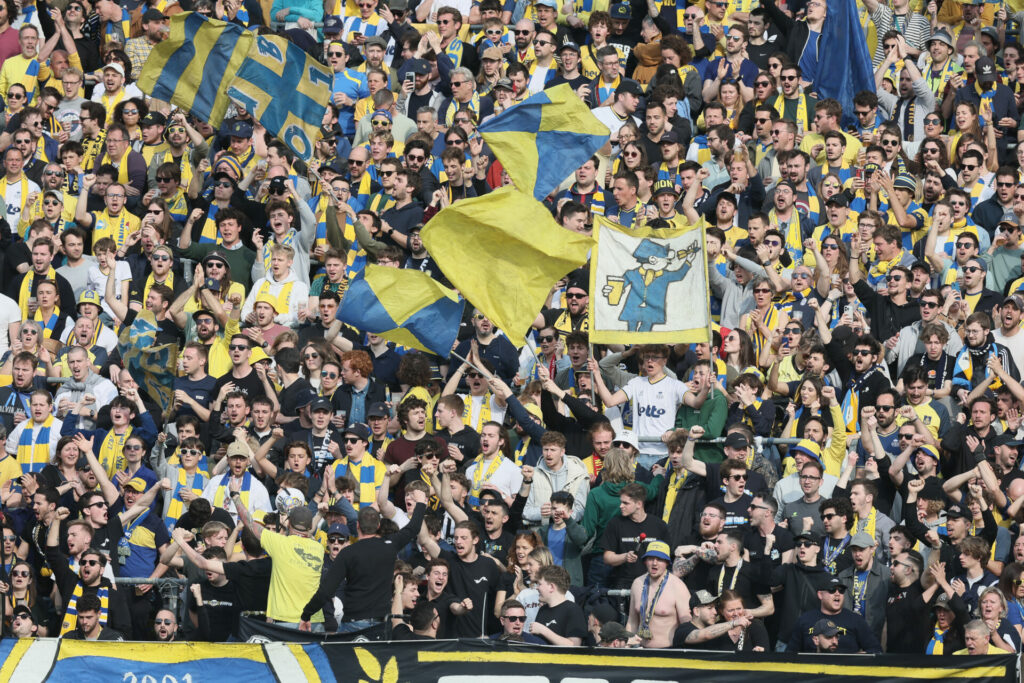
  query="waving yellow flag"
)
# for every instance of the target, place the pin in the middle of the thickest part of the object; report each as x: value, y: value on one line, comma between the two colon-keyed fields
x: 503, y: 251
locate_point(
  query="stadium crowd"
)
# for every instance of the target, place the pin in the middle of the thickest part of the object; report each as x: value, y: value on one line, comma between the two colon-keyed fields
x: 866, y: 291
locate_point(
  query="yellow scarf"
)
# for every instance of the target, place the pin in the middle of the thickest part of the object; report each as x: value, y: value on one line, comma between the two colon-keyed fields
x: 150, y: 282
x: 222, y: 490
x: 34, y: 446
x: 482, y: 418
x: 25, y: 290
x: 122, y: 165
x: 50, y: 323
x: 802, y: 115
x: 112, y: 451
x: 177, y: 505
x: 71, y: 614
x: 110, y: 102
x: 882, y: 267
x: 283, y: 297
x: 868, y: 524
x: 675, y: 483
x: 479, y: 477
x: 116, y: 227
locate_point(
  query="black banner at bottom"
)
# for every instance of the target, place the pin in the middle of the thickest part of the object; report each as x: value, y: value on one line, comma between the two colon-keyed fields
x: 259, y: 630
x: 456, y: 660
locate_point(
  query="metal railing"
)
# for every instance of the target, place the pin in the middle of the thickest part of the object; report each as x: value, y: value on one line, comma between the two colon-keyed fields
x: 168, y: 587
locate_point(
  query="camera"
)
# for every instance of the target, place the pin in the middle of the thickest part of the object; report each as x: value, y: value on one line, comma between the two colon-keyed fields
x: 276, y: 185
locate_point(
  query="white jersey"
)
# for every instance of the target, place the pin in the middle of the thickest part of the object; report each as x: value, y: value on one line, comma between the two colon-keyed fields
x: 654, y: 409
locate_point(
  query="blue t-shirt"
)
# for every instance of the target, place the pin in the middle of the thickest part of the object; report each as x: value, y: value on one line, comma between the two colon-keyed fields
x: 556, y: 544
x: 145, y: 538
x: 809, y: 58
x: 890, y: 444
x: 198, y: 390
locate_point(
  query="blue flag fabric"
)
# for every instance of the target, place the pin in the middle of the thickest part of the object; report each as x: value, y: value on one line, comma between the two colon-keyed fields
x: 844, y: 65
x: 286, y: 90
x: 152, y: 366
x: 543, y: 139
x: 405, y: 306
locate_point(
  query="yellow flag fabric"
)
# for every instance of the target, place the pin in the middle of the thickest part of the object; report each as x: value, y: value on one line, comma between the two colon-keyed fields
x: 503, y: 252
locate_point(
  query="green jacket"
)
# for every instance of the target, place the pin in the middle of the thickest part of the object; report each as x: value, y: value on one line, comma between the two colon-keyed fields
x: 711, y: 416
x: 603, y: 504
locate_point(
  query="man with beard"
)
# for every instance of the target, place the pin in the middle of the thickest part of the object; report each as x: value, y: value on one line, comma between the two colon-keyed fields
x: 907, y: 341
x: 973, y: 375
x: 165, y: 626
x: 799, y: 582
x: 491, y: 347
x: 572, y: 318
x: 906, y: 612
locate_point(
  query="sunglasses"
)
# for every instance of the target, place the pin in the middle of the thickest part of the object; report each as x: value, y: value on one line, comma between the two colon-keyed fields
x: 836, y: 589
x: 738, y: 477
x: 523, y: 32
x: 971, y: 269
x: 473, y: 375
x: 352, y: 439
x: 336, y: 54
x: 794, y: 330
x: 893, y: 278
x: 905, y: 436
x: 548, y: 338
x: 762, y: 291
x: 159, y: 257
x: 969, y: 167
x: 163, y: 179
x: 21, y: 573
x: 54, y: 173
x: 788, y: 78
x: 541, y: 43
x: 380, y: 123
x: 933, y: 121
x: 828, y: 516
x: 238, y: 347
x: 516, y: 617
x: 356, y: 162
x: 51, y: 202
x: 890, y: 143
x: 575, y: 295
x: 163, y: 622
x: 929, y: 304
x: 133, y: 447
x: 862, y: 352
x: 416, y: 157
x: 15, y: 96
x: 329, y: 375
x: 90, y: 563
x: 312, y: 354
x: 335, y: 539
x: 191, y: 451
x: 805, y: 544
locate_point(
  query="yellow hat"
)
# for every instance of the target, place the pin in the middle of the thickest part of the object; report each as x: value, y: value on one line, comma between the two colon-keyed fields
x: 534, y: 409
x: 271, y: 301
x: 257, y: 355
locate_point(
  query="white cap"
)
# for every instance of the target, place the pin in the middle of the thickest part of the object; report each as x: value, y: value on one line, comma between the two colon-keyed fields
x: 116, y: 66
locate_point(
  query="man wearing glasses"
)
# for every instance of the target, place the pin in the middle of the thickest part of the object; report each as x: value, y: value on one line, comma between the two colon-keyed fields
x: 349, y: 87
x: 854, y: 634
x: 908, y: 341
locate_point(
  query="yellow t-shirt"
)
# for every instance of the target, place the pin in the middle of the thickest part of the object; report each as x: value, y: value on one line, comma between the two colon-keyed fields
x: 295, y: 576
x: 9, y: 469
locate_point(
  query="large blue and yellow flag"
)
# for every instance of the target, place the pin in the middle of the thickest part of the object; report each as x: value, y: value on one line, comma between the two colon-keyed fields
x: 503, y: 251
x: 194, y: 65
x: 286, y: 90
x: 542, y: 140
x: 152, y: 366
x: 405, y: 306
x: 844, y: 66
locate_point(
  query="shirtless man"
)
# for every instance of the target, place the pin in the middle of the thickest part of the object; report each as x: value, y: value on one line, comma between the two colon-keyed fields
x: 659, y: 601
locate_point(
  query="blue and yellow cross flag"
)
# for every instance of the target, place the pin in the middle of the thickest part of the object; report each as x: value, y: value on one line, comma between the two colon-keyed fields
x: 543, y: 139
x: 286, y: 90
x: 152, y: 366
x: 193, y: 67
x: 405, y: 306
x: 503, y: 251
x: 648, y: 286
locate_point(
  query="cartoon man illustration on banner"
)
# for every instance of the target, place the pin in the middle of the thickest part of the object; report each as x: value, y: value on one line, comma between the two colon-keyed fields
x: 647, y: 284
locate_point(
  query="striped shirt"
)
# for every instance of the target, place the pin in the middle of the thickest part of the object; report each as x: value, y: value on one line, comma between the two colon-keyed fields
x: 912, y: 26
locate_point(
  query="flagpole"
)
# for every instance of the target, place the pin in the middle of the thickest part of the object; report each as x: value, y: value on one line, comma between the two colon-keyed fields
x: 470, y: 364
x: 536, y: 356
x: 590, y: 354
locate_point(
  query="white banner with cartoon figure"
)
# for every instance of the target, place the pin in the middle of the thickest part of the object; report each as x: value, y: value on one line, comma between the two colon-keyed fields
x: 648, y: 286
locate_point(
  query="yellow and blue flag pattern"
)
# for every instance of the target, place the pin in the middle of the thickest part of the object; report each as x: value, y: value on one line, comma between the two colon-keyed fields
x: 286, y: 90
x: 152, y: 366
x: 509, y: 227
x: 193, y: 67
x: 542, y: 140
x: 405, y: 306
x: 109, y: 661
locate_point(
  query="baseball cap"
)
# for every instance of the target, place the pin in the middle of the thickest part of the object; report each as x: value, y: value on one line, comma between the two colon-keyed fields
x: 300, y: 518
x: 337, y: 530
x: 830, y: 583
x: 547, y: 3
x: 660, y: 550
x: 215, y: 256
x: 154, y: 118
x: 621, y: 10
x: 504, y: 84
x: 942, y: 601
x: 810, y: 536
x: 1014, y: 299
x: 736, y: 441
x: 957, y: 511
x: 420, y: 67
x: 569, y: 46
x: 153, y: 14
x: 604, y: 613
x: 613, y: 630
x: 332, y: 25
x: 376, y: 40
x: 491, y: 53
x: 824, y: 627
x: 24, y: 610
x: 669, y: 136
x: 378, y: 409
x: 237, y: 449
x: 240, y: 129
x: 116, y: 66
x: 628, y: 85
x: 358, y: 429
x: 664, y: 187
x: 838, y: 199
x: 321, y: 404
x: 287, y: 499
x: 985, y: 70
x: 929, y: 450
x: 305, y: 398
x: 136, y: 484
x: 1009, y: 218
x: 862, y: 539
x: 702, y: 597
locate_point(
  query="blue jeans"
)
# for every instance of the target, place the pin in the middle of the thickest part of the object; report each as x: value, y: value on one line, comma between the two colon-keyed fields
x: 647, y: 461
x: 598, y: 572
x: 357, y: 625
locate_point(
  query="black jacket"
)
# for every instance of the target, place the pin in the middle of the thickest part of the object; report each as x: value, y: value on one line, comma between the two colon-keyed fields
x: 376, y: 392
